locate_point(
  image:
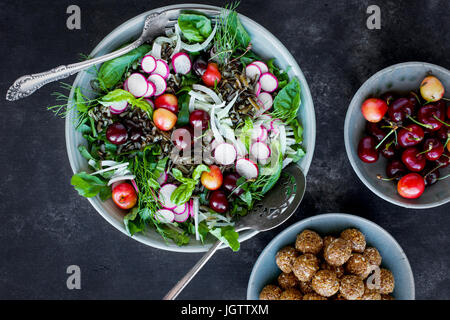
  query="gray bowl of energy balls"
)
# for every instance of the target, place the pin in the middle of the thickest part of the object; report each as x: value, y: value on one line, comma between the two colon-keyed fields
x: 332, y: 257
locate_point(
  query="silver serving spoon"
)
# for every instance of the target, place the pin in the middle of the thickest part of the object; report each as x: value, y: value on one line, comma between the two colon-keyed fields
x: 276, y: 207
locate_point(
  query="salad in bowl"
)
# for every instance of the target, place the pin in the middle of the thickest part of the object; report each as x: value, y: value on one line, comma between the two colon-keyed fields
x: 186, y: 133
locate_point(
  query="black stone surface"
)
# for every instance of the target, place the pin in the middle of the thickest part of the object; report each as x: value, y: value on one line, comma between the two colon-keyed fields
x: 45, y: 226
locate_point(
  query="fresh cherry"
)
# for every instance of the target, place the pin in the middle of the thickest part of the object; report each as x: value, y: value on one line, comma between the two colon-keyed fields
x: 199, y: 119
x: 429, y: 115
x: 444, y: 160
x: 411, y: 186
x: 413, y: 159
x: 218, y: 202
x: 432, y: 177
x: 117, y: 133
x: 388, y: 150
x: 374, y: 109
x: 389, y: 97
x: 374, y: 130
x: 443, y: 133
x: 410, y: 136
x: 395, y: 169
x: 367, y: 151
x: 433, y: 149
x: 230, y: 184
x: 400, y: 109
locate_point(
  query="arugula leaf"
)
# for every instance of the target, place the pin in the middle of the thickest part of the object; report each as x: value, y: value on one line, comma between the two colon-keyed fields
x: 287, y: 102
x: 195, y: 27
x: 228, y: 236
x: 90, y: 186
x: 121, y: 95
x: 111, y: 72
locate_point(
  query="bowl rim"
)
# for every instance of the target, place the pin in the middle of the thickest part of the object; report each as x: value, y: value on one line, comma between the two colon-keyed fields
x: 348, y: 146
x: 307, y: 160
x: 326, y: 216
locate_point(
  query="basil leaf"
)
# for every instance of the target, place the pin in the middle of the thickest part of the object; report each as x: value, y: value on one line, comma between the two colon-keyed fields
x: 121, y: 95
x: 89, y: 186
x: 183, y: 193
x: 111, y: 72
x: 287, y: 102
x: 195, y: 27
x: 198, y: 171
x: 228, y: 236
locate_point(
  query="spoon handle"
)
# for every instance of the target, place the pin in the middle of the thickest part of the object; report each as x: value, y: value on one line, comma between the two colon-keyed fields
x: 175, y: 291
x: 27, y: 85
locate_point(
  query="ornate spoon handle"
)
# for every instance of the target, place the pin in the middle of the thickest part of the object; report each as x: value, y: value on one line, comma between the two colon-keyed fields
x: 27, y: 85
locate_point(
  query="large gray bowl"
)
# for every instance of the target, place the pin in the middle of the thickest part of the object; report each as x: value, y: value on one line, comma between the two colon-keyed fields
x: 402, y: 77
x: 264, y: 43
x: 265, y: 270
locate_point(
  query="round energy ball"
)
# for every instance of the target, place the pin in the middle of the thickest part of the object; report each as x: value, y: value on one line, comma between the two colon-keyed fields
x: 370, y: 294
x: 305, y: 266
x: 306, y: 287
x: 270, y: 292
x: 309, y: 242
x: 338, y: 252
x: 387, y: 282
x: 287, y: 280
x: 339, y: 270
x: 373, y: 256
x: 327, y: 240
x: 291, y: 294
x: 357, y: 265
x: 356, y: 238
x: 352, y: 287
x: 285, y: 258
x: 325, y: 283
x: 313, y: 296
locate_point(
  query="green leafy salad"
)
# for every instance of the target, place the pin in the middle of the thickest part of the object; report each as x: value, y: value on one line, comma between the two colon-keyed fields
x: 188, y: 132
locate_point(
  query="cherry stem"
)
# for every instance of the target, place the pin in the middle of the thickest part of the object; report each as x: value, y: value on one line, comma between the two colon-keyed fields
x: 444, y: 177
x: 430, y: 147
x: 428, y: 126
x: 380, y: 177
x: 437, y: 118
x: 433, y: 170
x: 387, y: 136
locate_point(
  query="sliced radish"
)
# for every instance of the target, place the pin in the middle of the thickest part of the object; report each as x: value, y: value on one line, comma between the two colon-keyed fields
x: 181, y: 63
x: 266, y: 101
x: 162, y: 68
x: 151, y: 90
x: 137, y: 85
x: 180, y: 218
x: 261, y: 66
x: 269, y: 82
x: 225, y: 154
x: 247, y: 168
x: 260, y: 133
x: 134, y: 184
x: 191, y: 208
x: 214, y: 144
x: 148, y: 64
x: 253, y: 72
x: 150, y: 102
x: 159, y: 82
x: 162, y: 178
x: 164, y: 196
x: 165, y: 216
x: 260, y: 151
x: 181, y: 209
x: 258, y: 88
x: 118, y: 107
x: 125, y: 85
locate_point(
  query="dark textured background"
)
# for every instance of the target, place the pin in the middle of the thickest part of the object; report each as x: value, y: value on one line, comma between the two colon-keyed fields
x: 45, y: 226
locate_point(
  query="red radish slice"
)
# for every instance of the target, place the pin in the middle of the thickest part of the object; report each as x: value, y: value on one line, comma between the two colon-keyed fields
x: 148, y: 64
x: 164, y: 216
x: 181, y: 63
x: 135, y: 186
x: 118, y: 107
x: 181, y: 209
x: 247, y: 168
x: 258, y: 88
x: 151, y: 90
x: 261, y: 66
x: 266, y: 100
x: 191, y: 208
x: 125, y: 85
x: 159, y: 83
x: 180, y: 218
x: 252, y: 71
x: 260, y: 133
x: 150, y: 102
x: 260, y: 151
x: 164, y: 196
x: 225, y: 154
x: 269, y: 82
x: 162, y: 68
x: 162, y: 178
x: 137, y: 85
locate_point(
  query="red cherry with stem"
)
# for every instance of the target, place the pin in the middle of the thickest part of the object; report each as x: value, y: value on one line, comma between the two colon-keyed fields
x: 432, y: 177
x: 433, y: 149
x: 117, y: 133
x: 448, y: 111
x: 389, y: 97
x: 413, y: 160
x: 444, y: 160
x: 443, y: 133
x: 199, y: 119
x: 374, y: 109
x: 388, y: 150
x: 411, y: 186
x: 230, y: 184
x: 367, y: 151
x: 375, y: 130
x: 410, y: 136
x: 395, y: 169
x: 432, y: 116
x: 218, y: 202
x: 399, y: 110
